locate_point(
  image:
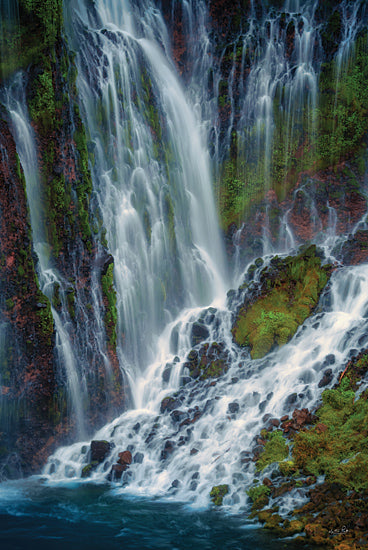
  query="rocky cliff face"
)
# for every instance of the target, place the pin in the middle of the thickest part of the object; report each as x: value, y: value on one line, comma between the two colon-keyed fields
x: 292, y: 119
x: 29, y: 406
x: 292, y: 171
x: 37, y: 410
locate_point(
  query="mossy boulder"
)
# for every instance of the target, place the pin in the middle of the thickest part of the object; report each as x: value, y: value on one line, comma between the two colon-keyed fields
x: 259, y: 495
x: 217, y: 494
x: 209, y: 361
x: 288, y: 292
x: 275, y: 450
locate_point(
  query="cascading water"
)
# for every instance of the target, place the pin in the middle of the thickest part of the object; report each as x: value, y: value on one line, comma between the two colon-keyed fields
x: 151, y: 204
x: 206, y: 439
x: 151, y: 173
x: 15, y: 103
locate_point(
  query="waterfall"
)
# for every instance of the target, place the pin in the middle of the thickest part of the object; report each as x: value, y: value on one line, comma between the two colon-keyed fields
x: 213, y: 448
x: 152, y: 179
x: 151, y: 172
x: 15, y: 102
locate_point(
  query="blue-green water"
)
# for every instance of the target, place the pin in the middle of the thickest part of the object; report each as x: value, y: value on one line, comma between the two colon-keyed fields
x: 85, y: 516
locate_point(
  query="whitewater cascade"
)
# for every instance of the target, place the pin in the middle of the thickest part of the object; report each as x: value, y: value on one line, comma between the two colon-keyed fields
x: 153, y: 186
x: 151, y: 173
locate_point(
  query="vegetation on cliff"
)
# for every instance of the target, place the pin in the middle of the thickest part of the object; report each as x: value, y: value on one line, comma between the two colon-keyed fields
x: 335, y: 446
x: 302, y: 138
x: 289, y: 291
x: 109, y: 295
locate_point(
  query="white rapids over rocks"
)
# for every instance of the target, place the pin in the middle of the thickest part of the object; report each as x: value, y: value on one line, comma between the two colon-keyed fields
x: 158, y: 210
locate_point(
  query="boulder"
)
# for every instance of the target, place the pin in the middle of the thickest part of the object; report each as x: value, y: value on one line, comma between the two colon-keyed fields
x: 125, y: 458
x: 199, y: 333
x: 99, y: 450
x: 233, y: 408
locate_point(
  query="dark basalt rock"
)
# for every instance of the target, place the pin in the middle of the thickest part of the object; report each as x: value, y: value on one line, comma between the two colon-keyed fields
x: 326, y: 378
x: 100, y: 450
x: 168, y: 450
x: 169, y: 404
x: 199, y: 333
x: 233, y: 408
x: 138, y: 458
x: 116, y: 472
x: 177, y: 415
x: 125, y: 458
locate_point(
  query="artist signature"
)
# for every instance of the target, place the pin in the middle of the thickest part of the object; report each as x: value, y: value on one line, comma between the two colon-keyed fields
x: 341, y: 531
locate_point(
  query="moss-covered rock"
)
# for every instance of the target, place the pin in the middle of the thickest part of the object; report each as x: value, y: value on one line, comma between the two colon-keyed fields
x: 289, y: 291
x: 209, y: 361
x: 259, y: 495
x: 275, y: 450
x: 335, y: 447
x: 217, y: 494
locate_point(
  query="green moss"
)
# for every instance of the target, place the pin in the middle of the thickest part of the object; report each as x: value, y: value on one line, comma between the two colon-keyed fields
x: 9, y: 303
x: 307, y: 140
x: 259, y: 495
x: 337, y: 446
x: 111, y: 314
x: 214, y: 370
x: 217, y: 494
x: 343, y: 110
x: 275, y: 450
x: 290, y: 292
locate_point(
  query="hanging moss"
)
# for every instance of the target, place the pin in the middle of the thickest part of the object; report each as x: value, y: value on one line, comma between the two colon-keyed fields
x: 109, y: 293
x: 290, y: 291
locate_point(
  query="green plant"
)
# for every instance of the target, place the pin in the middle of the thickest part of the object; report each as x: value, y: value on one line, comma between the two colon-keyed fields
x: 217, y: 494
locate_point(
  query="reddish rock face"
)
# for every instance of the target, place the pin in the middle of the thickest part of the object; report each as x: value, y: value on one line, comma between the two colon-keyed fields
x: 29, y: 384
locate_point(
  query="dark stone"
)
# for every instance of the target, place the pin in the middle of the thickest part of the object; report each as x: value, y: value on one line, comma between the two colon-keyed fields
x: 234, y: 380
x: 169, y: 404
x: 245, y: 457
x: 326, y: 378
x: 262, y: 406
x: 138, y: 458
x: 177, y: 415
x: 195, y: 475
x: 193, y: 452
x: 99, y: 450
x: 166, y: 374
x: 193, y: 485
x: 116, y: 472
x: 168, y: 450
x: 233, y: 408
x: 274, y: 422
x: 267, y: 482
x: 257, y: 451
x: 199, y: 333
x: 291, y: 399
x: 88, y: 469
x: 175, y: 483
x: 329, y: 360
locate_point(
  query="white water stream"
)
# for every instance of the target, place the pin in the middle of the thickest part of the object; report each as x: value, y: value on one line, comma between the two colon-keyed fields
x: 152, y: 181
x: 207, y: 439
